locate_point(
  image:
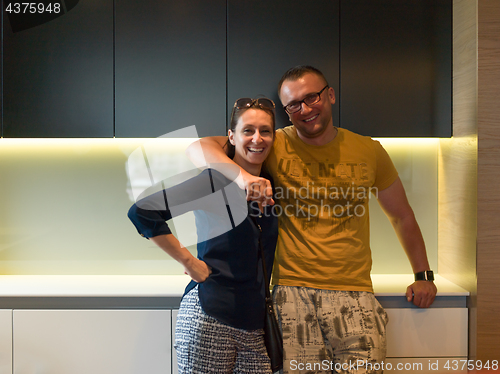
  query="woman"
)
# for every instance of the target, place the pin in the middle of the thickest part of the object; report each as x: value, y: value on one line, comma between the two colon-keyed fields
x: 221, y: 316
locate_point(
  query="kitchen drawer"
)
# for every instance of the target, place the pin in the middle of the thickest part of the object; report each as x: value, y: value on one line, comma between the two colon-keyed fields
x: 433, y: 332
x: 5, y: 341
x: 92, y: 341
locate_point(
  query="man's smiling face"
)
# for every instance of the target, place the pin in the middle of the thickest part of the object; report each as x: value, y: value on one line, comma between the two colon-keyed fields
x: 313, y: 121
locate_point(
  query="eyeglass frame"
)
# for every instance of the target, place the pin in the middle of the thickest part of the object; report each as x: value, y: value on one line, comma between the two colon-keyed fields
x: 303, y: 101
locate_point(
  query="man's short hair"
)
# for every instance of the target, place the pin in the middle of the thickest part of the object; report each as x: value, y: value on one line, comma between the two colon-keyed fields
x: 298, y: 72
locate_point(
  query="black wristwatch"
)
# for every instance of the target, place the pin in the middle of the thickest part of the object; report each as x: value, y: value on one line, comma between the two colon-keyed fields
x: 427, y: 275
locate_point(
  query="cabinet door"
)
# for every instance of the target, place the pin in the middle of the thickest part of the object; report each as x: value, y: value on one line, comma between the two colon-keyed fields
x: 433, y: 332
x: 266, y: 38
x: 58, y: 76
x: 5, y: 341
x: 395, y: 67
x: 174, y: 355
x: 170, y: 67
x: 92, y: 341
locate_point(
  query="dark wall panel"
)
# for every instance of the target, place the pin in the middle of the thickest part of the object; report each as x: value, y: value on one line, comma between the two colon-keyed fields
x: 266, y: 38
x: 396, y: 67
x: 170, y: 67
x: 58, y: 75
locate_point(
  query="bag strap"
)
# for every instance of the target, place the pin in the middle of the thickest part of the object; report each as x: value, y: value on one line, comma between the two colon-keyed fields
x: 261, y: 251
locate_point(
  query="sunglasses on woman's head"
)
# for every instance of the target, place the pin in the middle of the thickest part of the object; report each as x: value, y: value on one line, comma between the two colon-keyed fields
x: 246, y: 102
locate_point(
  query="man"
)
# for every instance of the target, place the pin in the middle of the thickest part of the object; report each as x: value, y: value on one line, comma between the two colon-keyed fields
x: 323, y: 177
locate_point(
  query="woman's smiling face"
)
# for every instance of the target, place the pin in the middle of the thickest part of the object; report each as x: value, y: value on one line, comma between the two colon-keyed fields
x: 253, y: 138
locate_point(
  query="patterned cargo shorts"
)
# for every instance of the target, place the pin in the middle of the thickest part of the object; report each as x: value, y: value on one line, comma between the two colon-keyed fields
x: 328, y: 331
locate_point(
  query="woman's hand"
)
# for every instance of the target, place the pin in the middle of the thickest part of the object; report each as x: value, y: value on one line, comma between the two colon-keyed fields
x: 198, y: 270
x: 195, y: 268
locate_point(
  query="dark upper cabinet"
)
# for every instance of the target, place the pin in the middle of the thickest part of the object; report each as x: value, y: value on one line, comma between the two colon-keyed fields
x: 170, y: 67
x: 266, y: 38
x: 396, y: 67
x: 147, y: 68
x: 58, y: 72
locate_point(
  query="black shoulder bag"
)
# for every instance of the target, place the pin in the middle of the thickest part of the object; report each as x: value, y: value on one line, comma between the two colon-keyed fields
x: 272, y: 333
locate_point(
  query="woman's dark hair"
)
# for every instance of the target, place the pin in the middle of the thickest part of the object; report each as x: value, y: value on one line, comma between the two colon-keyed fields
x: 235, y: 116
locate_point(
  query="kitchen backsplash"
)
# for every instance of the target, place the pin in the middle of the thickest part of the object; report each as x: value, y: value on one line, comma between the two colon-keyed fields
x: 64, y: 203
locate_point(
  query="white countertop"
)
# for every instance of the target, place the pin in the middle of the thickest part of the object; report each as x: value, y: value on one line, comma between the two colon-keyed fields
x: 395, y: 285
x: 166, y: 285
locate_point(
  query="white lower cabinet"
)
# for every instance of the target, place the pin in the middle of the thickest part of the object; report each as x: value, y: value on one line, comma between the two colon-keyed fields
x: 92, y: 341
x: 432, y: 332
x: 142, y: 341
x: 174, y: 356
x: 5, y: 341
x: 427, y: 340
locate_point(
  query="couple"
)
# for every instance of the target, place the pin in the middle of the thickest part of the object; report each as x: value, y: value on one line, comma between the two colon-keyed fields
x: 321, y: 274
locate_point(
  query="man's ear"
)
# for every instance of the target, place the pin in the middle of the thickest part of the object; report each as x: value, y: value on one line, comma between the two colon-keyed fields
x: 331, y: 95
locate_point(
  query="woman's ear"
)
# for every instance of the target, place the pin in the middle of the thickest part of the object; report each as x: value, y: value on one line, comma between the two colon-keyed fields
x: 230, y: 135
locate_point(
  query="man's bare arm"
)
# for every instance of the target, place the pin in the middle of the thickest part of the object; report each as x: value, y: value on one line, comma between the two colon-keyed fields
x: 209, y: 152
x: 395, y: 205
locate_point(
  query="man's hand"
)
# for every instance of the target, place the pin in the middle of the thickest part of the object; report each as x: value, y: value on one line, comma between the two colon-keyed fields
x: 198, y: 270
x: 422, y: 293
x: 257, y: 189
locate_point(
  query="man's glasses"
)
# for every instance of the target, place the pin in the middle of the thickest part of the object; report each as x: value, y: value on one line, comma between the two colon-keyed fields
x: 309, y: 100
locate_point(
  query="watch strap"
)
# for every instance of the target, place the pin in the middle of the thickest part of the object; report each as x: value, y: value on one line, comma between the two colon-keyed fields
x: 427, y: 275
